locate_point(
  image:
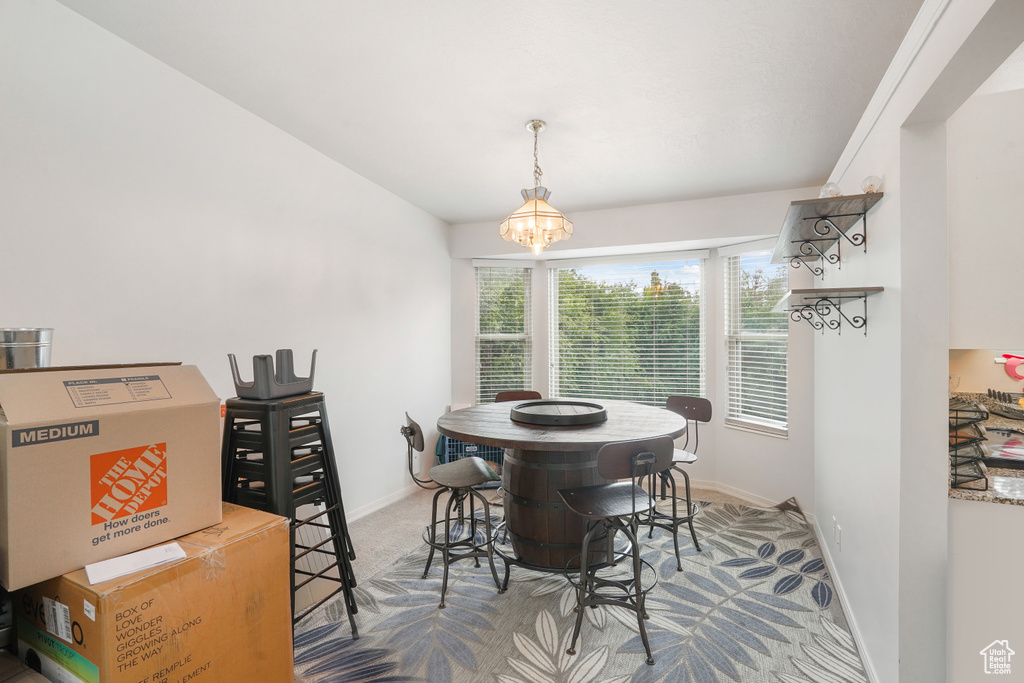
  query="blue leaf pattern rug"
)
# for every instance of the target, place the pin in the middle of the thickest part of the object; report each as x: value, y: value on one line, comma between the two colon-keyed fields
x: 756, y: 605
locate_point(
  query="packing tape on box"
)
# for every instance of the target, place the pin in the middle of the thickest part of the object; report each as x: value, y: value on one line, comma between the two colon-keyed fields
x: 213, y: 564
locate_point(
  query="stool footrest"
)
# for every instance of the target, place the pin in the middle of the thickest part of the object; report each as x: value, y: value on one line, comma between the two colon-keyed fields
x: 623, y: 589
x: 322, y: 574
x: 307, y: 549
x: 682, y: 516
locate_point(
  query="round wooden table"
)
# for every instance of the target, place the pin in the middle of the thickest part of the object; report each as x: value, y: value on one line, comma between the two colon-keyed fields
x: 539, y: 461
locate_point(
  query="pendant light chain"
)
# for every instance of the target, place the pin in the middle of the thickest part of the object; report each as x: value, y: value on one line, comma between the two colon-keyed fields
x: 537, y: 173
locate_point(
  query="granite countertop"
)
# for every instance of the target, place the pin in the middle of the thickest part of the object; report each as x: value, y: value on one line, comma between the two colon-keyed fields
x: 1004, y: 485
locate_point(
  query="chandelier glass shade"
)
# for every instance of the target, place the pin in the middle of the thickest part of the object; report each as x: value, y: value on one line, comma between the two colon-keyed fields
x: 536, y: 224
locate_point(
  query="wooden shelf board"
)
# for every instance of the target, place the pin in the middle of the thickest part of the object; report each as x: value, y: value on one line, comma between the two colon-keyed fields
x: 800, y: 297
x: 796, y: 228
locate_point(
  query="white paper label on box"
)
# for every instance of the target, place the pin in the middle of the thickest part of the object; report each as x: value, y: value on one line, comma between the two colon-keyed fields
x: 58, y: 619
x: 113, y: 568
x: 89, y: 609
x: 109, y: 391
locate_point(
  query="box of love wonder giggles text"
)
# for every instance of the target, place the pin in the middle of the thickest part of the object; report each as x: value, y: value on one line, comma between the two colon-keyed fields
x: 222, y: 614
x: 97, y: 462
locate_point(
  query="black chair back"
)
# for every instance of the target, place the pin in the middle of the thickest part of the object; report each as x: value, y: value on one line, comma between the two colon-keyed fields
x: 414, y: 437
x: 637, y: 458
x: 691, y: 407
x: 696, y: 410
x: 413, y: 434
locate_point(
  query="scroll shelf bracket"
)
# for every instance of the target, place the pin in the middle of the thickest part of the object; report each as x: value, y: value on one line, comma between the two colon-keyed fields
x: 829, y: 309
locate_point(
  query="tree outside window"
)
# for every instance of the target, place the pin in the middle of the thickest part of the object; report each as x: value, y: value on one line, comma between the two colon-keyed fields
x: 629, y: 331
x: 757, y: 340
x: 504, y: 359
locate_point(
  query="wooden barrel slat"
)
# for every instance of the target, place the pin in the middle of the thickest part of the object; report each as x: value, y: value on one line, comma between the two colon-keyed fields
x: 545, y: 532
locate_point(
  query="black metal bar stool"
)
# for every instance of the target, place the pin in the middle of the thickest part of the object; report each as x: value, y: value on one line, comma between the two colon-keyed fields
x: 610, y: 509
x: 458, y: 535
x: 696, y: 410
x: 277, y: 457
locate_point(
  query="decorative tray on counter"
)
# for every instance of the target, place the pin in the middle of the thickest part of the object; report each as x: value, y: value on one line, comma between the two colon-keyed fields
x: 961, y: 436
x: 963, y: 413
x: 967, y: 468
x: 1004, y: 448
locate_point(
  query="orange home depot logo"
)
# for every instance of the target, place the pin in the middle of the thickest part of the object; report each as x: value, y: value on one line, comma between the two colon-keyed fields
x: 128, y: 481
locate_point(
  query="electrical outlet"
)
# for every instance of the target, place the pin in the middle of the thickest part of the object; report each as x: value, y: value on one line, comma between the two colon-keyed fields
x: 839, y: 537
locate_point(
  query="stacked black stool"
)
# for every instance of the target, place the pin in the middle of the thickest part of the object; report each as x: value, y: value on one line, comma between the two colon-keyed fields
x: 277, y: 456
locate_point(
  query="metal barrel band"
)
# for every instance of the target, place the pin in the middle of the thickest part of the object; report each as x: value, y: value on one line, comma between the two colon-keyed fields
x: 534, y: 504
x: 543, y: 544
x: 566, y: 466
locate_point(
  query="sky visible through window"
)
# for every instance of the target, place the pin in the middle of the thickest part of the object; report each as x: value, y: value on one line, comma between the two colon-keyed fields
x: 686, y: 274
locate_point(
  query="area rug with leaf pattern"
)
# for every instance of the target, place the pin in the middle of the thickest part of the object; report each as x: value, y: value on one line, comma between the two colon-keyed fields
x: 756, y: 604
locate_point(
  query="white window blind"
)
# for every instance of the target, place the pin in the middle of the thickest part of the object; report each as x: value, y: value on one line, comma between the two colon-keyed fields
x: 628, y: 330
x: 504, y: 356
x: 757, y: 372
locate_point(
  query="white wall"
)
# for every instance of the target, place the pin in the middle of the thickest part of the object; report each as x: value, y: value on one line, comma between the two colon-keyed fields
x: 755, y: 464
x: 986, y: 174
x: 856, y: 427
x: 975, y: 370
x: 986, y: 551
x: 881, y: 400
x: 146, y: 218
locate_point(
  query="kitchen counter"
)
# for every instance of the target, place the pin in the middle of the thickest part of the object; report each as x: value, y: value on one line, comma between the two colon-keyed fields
x: 1004, y: 485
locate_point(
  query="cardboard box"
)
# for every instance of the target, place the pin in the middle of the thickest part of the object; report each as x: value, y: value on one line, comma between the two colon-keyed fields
x: 97, y: 462
x: 222, y: 614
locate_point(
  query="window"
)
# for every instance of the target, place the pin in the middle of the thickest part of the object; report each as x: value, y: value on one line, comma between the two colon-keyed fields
x: 504, y: 358
x: 757, y: 341
x: 631, y: 331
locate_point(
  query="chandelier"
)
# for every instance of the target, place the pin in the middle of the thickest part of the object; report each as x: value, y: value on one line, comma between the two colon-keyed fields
x: 536, y: 224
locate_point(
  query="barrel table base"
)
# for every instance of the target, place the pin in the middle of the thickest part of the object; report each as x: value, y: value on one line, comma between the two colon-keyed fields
x: 544, y: 532
x: 539, y: 461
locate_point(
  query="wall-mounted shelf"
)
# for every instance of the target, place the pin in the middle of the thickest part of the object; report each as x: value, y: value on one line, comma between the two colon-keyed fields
x: 814, y: 226
x: 823, y: 308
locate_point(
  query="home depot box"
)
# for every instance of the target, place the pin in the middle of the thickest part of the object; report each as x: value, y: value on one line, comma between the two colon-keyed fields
x: 220, y: 615
x: 100, y: 461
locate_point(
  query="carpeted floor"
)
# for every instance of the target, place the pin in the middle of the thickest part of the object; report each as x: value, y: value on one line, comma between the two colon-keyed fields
x: 755, y: 605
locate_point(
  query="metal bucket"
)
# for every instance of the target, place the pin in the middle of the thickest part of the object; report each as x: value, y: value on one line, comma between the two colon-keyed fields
x: 25, y: 347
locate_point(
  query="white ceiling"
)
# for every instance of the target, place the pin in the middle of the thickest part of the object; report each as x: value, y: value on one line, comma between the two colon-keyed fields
x: 645, y: 101
x: 1009, y: 76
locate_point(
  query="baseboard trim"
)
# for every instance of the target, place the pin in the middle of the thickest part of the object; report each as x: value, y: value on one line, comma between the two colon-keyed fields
x: 751, y: 498
x: 844, y: 603
x: 359, y: 513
